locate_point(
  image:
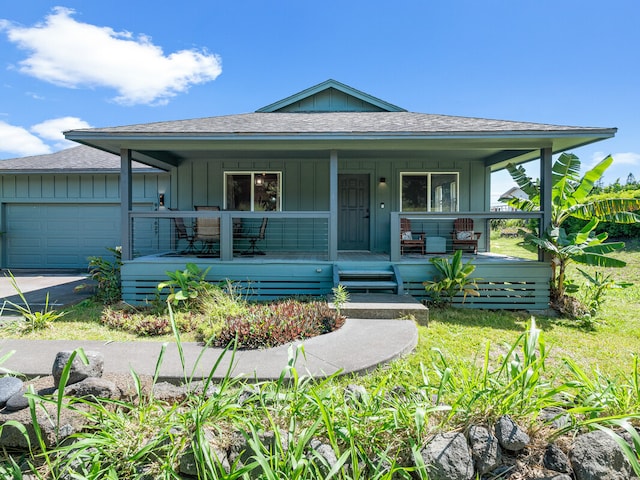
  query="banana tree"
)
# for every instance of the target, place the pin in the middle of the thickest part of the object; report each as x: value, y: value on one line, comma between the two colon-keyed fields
x: 570, y: 198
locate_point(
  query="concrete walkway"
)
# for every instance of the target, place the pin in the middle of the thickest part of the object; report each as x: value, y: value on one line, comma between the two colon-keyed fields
x: 358, y: 347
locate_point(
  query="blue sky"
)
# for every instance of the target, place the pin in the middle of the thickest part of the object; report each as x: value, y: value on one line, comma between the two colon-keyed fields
x: 79, y: 63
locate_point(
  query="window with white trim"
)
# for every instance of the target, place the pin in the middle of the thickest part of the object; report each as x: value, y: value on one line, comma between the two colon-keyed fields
x: 429, y: 192
x: 253, y: 191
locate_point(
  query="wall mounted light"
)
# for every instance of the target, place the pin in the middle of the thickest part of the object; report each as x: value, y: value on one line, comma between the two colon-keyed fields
x: 259, y: 180
x: 383, y: 181
x: 161, y: 200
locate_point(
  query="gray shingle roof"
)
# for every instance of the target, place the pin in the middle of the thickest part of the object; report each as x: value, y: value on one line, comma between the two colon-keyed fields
x: 81, y: 158
x: 336, y: 122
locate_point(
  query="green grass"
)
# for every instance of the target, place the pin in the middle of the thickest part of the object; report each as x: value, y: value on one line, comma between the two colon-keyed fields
x: 463, y: 333
x: 469, y: 366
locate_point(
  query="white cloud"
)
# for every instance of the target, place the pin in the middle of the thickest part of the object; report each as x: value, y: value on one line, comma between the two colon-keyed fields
x: 621, y: 158
x: 68, y: 53
x: 626, y: 158
x: 52, y: 130
x: 17, y: 141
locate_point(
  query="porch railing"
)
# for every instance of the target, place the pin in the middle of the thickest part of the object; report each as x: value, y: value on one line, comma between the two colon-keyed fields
x: 440, y: 225
x: 233, y: 234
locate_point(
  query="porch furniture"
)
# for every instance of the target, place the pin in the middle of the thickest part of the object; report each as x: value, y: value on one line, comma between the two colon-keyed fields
x: 463, y: 236
x: 253, y: 238
x: 436, y: 245
x: 182, y: 233
x: 207, y: 230
x: 410, y: 240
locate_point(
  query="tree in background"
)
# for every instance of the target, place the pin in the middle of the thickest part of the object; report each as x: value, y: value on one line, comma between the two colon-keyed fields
x: 570, y: 198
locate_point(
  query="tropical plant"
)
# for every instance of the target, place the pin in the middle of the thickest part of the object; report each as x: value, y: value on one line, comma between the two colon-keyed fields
x: 340, y: 297
x: 32, y: 320
x: 596, y: 286
x: 107, y: 275
x: 570, y: 198
x: 185, y: 284
x: 452, y: 278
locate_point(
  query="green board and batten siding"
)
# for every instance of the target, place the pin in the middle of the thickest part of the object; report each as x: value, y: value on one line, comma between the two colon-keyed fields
x: 305, y: 184
x: 55, y: 221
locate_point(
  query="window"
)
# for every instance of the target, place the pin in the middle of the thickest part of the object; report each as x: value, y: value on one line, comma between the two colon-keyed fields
x: 429, y: 192
x: 253, y: 191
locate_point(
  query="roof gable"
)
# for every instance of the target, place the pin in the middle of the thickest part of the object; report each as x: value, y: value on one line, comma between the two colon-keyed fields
x: 330, y: 96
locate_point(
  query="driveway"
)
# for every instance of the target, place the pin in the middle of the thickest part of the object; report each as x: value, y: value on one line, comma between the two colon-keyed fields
x: 62, y: 288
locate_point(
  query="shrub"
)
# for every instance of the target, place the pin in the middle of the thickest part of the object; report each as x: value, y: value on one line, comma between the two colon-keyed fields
x: 276, y: 324
x: 145, y: 322
x: 107, y: 275
x: 185, y: 285
x: 216, y: 305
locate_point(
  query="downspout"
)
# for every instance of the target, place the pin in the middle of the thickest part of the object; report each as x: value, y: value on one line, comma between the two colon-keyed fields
x: 125, y: 202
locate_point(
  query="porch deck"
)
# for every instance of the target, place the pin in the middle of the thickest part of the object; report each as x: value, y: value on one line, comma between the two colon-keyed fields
x: 504, y: 282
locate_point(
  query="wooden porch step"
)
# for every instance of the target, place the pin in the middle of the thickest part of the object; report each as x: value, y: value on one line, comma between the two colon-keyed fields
x: 366, y: 273
x: 365, y: 280
x: 369, y: 285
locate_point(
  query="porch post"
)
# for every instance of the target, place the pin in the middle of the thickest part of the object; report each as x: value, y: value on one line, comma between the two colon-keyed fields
x: 546, y: 178
x: 394, y: 241
x: 226, y: 238
x: 125, y: 202
x: 333, y: 205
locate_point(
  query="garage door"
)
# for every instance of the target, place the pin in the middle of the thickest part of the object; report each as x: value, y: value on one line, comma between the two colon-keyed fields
x: 59, y: 236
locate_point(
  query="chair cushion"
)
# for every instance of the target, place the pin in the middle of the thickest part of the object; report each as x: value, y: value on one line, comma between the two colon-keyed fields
x: 407, y: 236
x: 465, y: 235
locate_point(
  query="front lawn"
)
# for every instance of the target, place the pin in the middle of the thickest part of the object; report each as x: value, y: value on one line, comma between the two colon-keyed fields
x: 470, y: 367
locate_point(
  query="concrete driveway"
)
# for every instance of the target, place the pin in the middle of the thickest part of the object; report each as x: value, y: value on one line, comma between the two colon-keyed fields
x: 61, y: 287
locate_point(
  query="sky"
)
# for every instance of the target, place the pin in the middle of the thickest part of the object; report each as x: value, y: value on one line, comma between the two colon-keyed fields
x: 78, y: 64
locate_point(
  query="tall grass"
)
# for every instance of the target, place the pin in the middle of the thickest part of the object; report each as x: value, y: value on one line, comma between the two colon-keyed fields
x: 467, y: 369
x: 303, y: 428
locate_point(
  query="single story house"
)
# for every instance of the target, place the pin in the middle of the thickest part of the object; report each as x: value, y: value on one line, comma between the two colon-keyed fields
x: 317, y: 189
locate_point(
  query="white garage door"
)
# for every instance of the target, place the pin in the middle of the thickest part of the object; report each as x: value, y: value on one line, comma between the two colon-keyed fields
x: 59, y: 236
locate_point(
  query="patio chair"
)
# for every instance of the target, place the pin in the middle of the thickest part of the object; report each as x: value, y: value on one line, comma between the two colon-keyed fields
x: 207, y: 230
x: 410, y: 240
x: 463, y: 236
x: 182, y: 233
x: 253, y: 238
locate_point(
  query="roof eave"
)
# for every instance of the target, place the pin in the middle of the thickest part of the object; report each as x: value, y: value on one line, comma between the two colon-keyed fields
x: 86, y: 137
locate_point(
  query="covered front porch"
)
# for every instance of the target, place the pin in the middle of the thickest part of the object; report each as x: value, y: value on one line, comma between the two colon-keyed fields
x: 313, y: 191
x: 294, y: 257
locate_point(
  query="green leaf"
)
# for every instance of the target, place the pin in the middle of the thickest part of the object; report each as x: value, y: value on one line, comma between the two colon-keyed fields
x: 526, y: 184
x: 588, y: 258
x: 590, y: 178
